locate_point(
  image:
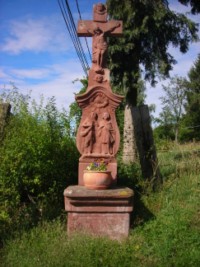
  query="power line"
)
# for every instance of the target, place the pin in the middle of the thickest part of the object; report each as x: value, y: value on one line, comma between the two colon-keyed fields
x: 77, y: 5
x: 76, y: 40
x: 75, y: 33
x: 69, y: 21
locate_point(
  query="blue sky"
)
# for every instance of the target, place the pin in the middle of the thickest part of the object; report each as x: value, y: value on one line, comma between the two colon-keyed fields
x: 36, y: 52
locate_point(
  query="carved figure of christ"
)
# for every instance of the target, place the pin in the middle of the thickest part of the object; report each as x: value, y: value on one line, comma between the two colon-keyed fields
x: 99, y: 30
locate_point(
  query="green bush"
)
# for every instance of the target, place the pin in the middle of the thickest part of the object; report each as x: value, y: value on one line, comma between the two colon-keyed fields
x: 38, y: 159
x: 164, y: 132
x: 129, y: 175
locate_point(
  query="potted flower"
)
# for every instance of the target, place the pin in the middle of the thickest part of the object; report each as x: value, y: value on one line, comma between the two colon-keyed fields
x: 96, y: 176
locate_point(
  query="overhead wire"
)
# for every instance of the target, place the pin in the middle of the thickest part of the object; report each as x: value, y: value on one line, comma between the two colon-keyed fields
x: 73, y: 38
x: 69, y: 21
x: 75, y: 32
x: 77, y: 5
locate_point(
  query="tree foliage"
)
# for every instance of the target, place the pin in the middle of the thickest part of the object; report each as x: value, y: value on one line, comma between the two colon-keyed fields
x: 173, y: 105
x: 191, y: 121
x: 75, y: 111
x: 149, y: 27
x: 38, y: 159
x: 181, y: 95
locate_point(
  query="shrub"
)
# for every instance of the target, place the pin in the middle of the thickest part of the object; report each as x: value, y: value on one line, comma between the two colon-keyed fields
x: 38, y: 159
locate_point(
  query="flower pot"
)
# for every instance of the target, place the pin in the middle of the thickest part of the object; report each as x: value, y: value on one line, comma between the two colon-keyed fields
x: 97, y: 179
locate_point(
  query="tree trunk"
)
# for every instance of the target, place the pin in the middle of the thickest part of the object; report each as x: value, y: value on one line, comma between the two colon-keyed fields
x: 129, y: 144
x: 176, y: 134
x: 138, y: 136
x: 129, y: 141
x: 145, y: 143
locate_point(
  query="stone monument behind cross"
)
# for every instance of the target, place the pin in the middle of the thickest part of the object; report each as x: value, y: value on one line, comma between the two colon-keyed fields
x: 98, y: 134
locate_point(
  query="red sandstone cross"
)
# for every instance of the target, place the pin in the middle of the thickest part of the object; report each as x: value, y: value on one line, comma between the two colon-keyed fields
x: 99, y: 29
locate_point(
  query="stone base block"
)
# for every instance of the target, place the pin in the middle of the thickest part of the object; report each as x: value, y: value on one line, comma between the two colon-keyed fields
x: 99, y: 212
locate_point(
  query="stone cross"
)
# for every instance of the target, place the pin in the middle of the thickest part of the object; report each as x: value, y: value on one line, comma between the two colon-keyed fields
x: 98, y: 135
x: 99, y: 29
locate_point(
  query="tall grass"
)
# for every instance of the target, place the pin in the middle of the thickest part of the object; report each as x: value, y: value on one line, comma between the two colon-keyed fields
x: 170, y: 238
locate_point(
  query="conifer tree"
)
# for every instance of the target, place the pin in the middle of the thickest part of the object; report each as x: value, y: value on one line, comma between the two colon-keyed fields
x: 149, y: 28
x: 191, y: 121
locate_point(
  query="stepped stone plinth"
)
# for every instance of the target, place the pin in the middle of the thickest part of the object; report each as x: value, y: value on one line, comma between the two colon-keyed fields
x: 99, y: 212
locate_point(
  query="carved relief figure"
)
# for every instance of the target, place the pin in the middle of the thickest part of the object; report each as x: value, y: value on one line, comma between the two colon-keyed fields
x: 88, y: 131
x: 99, y: 78
x: 100, y: 101
x: 100, y: 44
x: 100, y: 9
x: 106, y: 134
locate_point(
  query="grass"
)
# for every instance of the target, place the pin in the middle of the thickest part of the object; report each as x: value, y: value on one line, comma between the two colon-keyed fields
x: 171, y: 238
x: 180, y: 159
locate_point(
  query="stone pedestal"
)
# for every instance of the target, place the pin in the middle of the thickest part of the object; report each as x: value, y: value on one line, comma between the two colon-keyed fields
x: 99, y: 212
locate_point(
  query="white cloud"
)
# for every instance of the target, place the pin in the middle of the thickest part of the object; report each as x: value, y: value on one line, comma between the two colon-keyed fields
x: 31, y: 73
x: 36, y: 35
x: 62, y: 86
x: 3, y: 74
x: 58, y: 81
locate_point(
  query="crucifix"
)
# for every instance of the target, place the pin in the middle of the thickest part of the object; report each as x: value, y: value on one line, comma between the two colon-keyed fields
x: 98, y: 136
x: 99, y: 29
